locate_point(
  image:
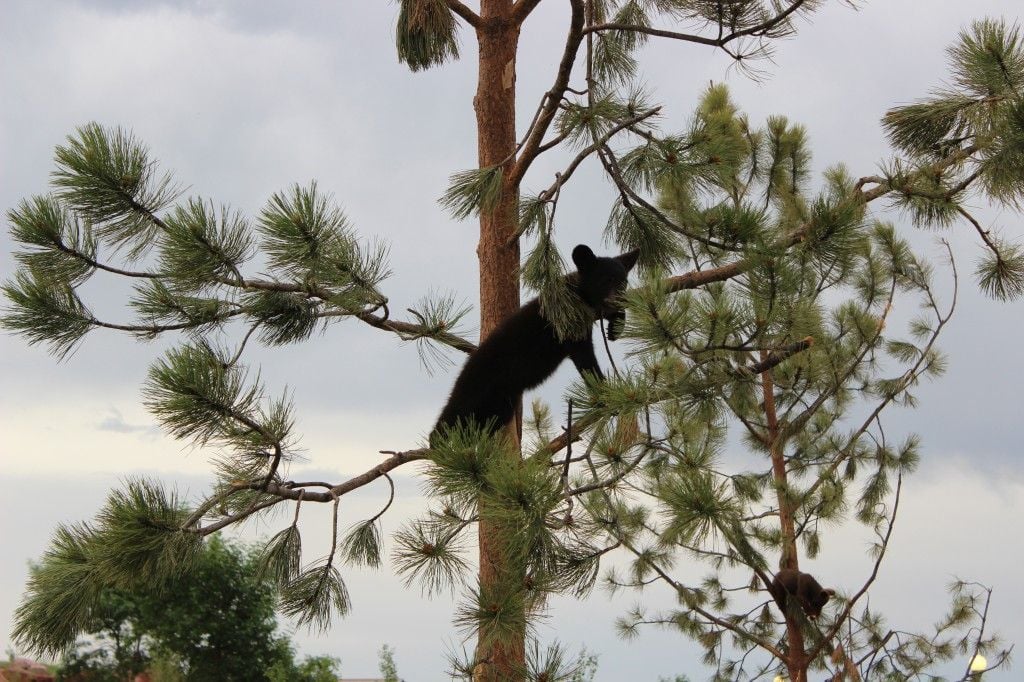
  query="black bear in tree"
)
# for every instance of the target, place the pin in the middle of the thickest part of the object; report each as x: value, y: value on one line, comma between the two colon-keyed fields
x: 524, y: 350
x: 811, y: 596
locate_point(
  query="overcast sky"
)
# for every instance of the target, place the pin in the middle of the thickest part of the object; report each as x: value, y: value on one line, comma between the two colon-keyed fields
x: 242, y: 99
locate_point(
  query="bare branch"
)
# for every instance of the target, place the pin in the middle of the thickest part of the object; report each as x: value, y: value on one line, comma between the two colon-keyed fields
x: 563, y: 177
x: 291, y: 492
x: 553, y: 96
x: 723, y: 39
x: 408, y: 330
x: 982, y: 232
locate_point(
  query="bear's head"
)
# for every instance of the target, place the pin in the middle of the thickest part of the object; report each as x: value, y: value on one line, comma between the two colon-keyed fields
x: 601, y: 283
x: 816, y: 600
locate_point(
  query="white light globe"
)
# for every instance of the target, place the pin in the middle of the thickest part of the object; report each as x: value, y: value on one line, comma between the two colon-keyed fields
x: 978, y: 664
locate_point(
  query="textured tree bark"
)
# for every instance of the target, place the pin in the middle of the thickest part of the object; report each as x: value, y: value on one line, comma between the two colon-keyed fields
x: 498, y: 256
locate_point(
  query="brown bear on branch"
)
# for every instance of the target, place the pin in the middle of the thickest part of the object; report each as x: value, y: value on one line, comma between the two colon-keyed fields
x: 809, y: 594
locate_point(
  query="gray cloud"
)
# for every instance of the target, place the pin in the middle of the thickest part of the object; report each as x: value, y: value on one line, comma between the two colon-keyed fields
x: 115, y: 423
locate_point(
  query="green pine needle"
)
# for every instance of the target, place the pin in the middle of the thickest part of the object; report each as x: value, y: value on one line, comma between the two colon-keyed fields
x: 202, y: 247
x: 45, y: 312
x: 362, y: 544
x: 60, y: 248
x: 430, y: 555
x: 139, y: 539
x: 472, y: 192
x: 63, y: 589
x: 988, y: 59
x: 302, y: 230
x: 158, y: 304
x: 1000, y: 273
x: 315, y: 596
x: 196, y: 396
x: 107, y: 177
x: 544, y: 271
x: 496, y: 613
x: 283, y: 317
x: 281, y: 559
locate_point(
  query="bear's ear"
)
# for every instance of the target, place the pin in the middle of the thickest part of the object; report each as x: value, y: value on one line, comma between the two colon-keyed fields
x: 628, y: 260
x: 583, y: 257
x: 829, y: 592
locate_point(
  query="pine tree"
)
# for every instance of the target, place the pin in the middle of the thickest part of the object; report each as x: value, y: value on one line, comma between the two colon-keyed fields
x: 774, y: 326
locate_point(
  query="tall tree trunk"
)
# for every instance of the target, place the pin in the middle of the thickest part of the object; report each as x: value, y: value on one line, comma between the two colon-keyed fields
x: 796, y: 656
x: 498, y: 255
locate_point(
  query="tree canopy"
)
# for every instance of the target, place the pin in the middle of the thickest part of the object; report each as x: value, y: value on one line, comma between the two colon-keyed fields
x: 216, y: 623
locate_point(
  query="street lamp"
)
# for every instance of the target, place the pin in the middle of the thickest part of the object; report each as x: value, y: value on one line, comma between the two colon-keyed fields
x: 978, y: 666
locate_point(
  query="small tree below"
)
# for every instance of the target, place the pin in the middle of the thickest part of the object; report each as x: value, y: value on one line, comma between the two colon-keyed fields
x: 216, y: 624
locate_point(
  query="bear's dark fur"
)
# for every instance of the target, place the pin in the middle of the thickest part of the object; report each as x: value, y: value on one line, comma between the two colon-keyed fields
x: 524, y: 350
x: 811, y: 596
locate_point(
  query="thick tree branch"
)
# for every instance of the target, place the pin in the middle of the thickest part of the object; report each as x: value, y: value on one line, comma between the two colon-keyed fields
x: 280, y: 491
x: 407, y: 330
x: 522, y: 9
x: 234, y: 518
x: 290, y: 492
x: 465, y: 13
